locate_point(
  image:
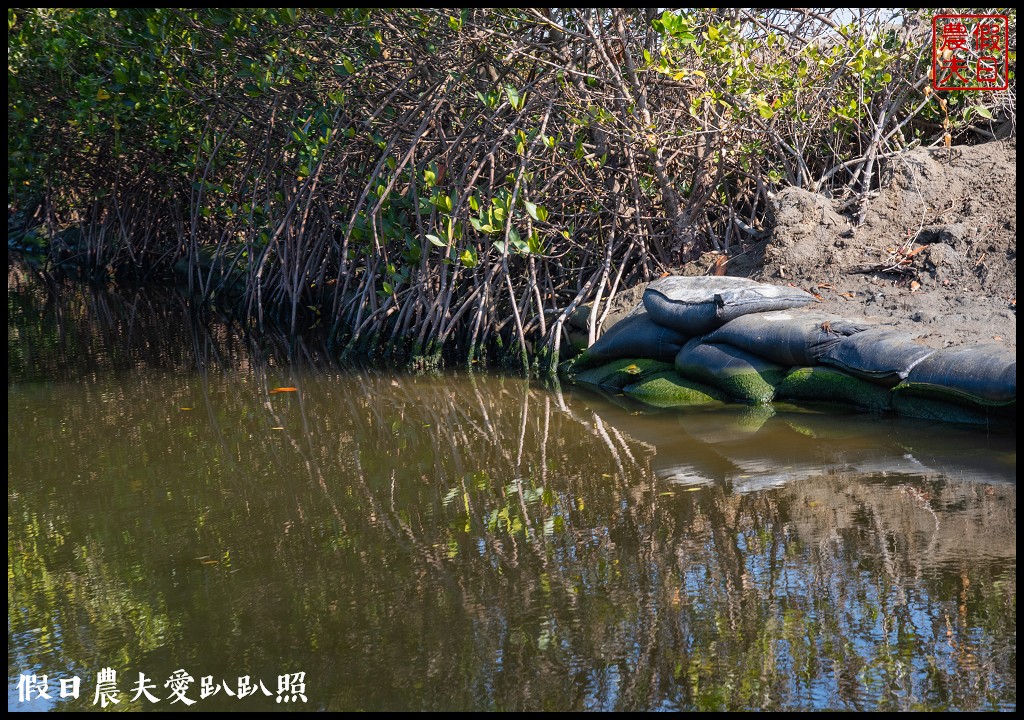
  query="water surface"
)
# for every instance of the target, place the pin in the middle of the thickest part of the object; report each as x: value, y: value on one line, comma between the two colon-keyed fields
x: 476, y: 542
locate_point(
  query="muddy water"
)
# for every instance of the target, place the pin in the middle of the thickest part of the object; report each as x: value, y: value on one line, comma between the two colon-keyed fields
x: 183, y: 503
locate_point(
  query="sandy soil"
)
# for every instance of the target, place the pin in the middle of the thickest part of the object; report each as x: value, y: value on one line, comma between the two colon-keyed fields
x: 935, y: 256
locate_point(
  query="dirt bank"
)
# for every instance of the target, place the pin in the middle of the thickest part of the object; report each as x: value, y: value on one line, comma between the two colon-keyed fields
x: 936, y: 254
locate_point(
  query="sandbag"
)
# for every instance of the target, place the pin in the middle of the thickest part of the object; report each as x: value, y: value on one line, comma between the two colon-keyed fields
x: 823, y: 384
x: 696, y: 305
x: 744, y: 376
x: 788, y: 337
x: 983, y: 375
x: 669, y: 390
x: 637, y: 336
x: 883, y: 356
x: 925, y: 408
x: 619, y: 373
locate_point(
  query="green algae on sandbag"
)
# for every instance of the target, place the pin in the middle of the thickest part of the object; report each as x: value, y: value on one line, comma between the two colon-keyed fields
x: 881, y: 355
x: 789, y: 337
x: 926, y: 408
x: 667, y: 389
x: 696, y: 305
x: 821, y: 384
x: 980, y: 375
x: 619, y: 373
x: 742, y: 375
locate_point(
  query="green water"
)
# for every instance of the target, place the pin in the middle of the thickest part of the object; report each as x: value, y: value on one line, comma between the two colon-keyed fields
x: 476, y: 542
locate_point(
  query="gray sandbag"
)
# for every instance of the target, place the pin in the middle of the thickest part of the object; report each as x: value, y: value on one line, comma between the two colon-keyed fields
x: 881, y: 355
x: 696, y: 305
x: 744, y: 376
x: 926, y: 408
x: 983, y: 375
x: 788, y: 337
x: 828, y: 385
x: 636, y: 336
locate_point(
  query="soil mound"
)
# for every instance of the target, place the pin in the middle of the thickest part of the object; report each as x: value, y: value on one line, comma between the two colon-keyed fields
x: 935, y: 256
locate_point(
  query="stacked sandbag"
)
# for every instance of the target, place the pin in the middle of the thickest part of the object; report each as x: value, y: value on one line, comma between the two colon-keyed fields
x: 635, y: 336
x: 854, y: 366
x: 828, y: 385
x: 743, y: 376
x: 984, y: 375
x: 787, y: 337
x: 966, y: 382
x: 668, y: 390
x: 882, y: 356
x: 697, y: 305
x: 620, y: 373
x: 733, y: 338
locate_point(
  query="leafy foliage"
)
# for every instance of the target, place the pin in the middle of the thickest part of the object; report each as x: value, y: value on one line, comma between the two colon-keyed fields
x: 458, y: 179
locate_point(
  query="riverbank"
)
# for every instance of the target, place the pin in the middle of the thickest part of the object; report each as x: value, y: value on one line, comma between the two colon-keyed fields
x: 936, y: 256
x: 929, y: 278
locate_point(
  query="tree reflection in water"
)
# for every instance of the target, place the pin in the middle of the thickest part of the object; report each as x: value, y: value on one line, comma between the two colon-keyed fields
x: 481, y: 542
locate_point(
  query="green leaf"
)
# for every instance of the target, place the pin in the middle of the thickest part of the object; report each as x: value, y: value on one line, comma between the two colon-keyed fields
x: 531, y: 209
x: 474, y: 204
x: 517, y: 242
x: 764, y: 108
x: 534, y: 243
x: 435, y: 240
x: 468, y: 257
x: 983, y: 111
x: 514, y: 99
